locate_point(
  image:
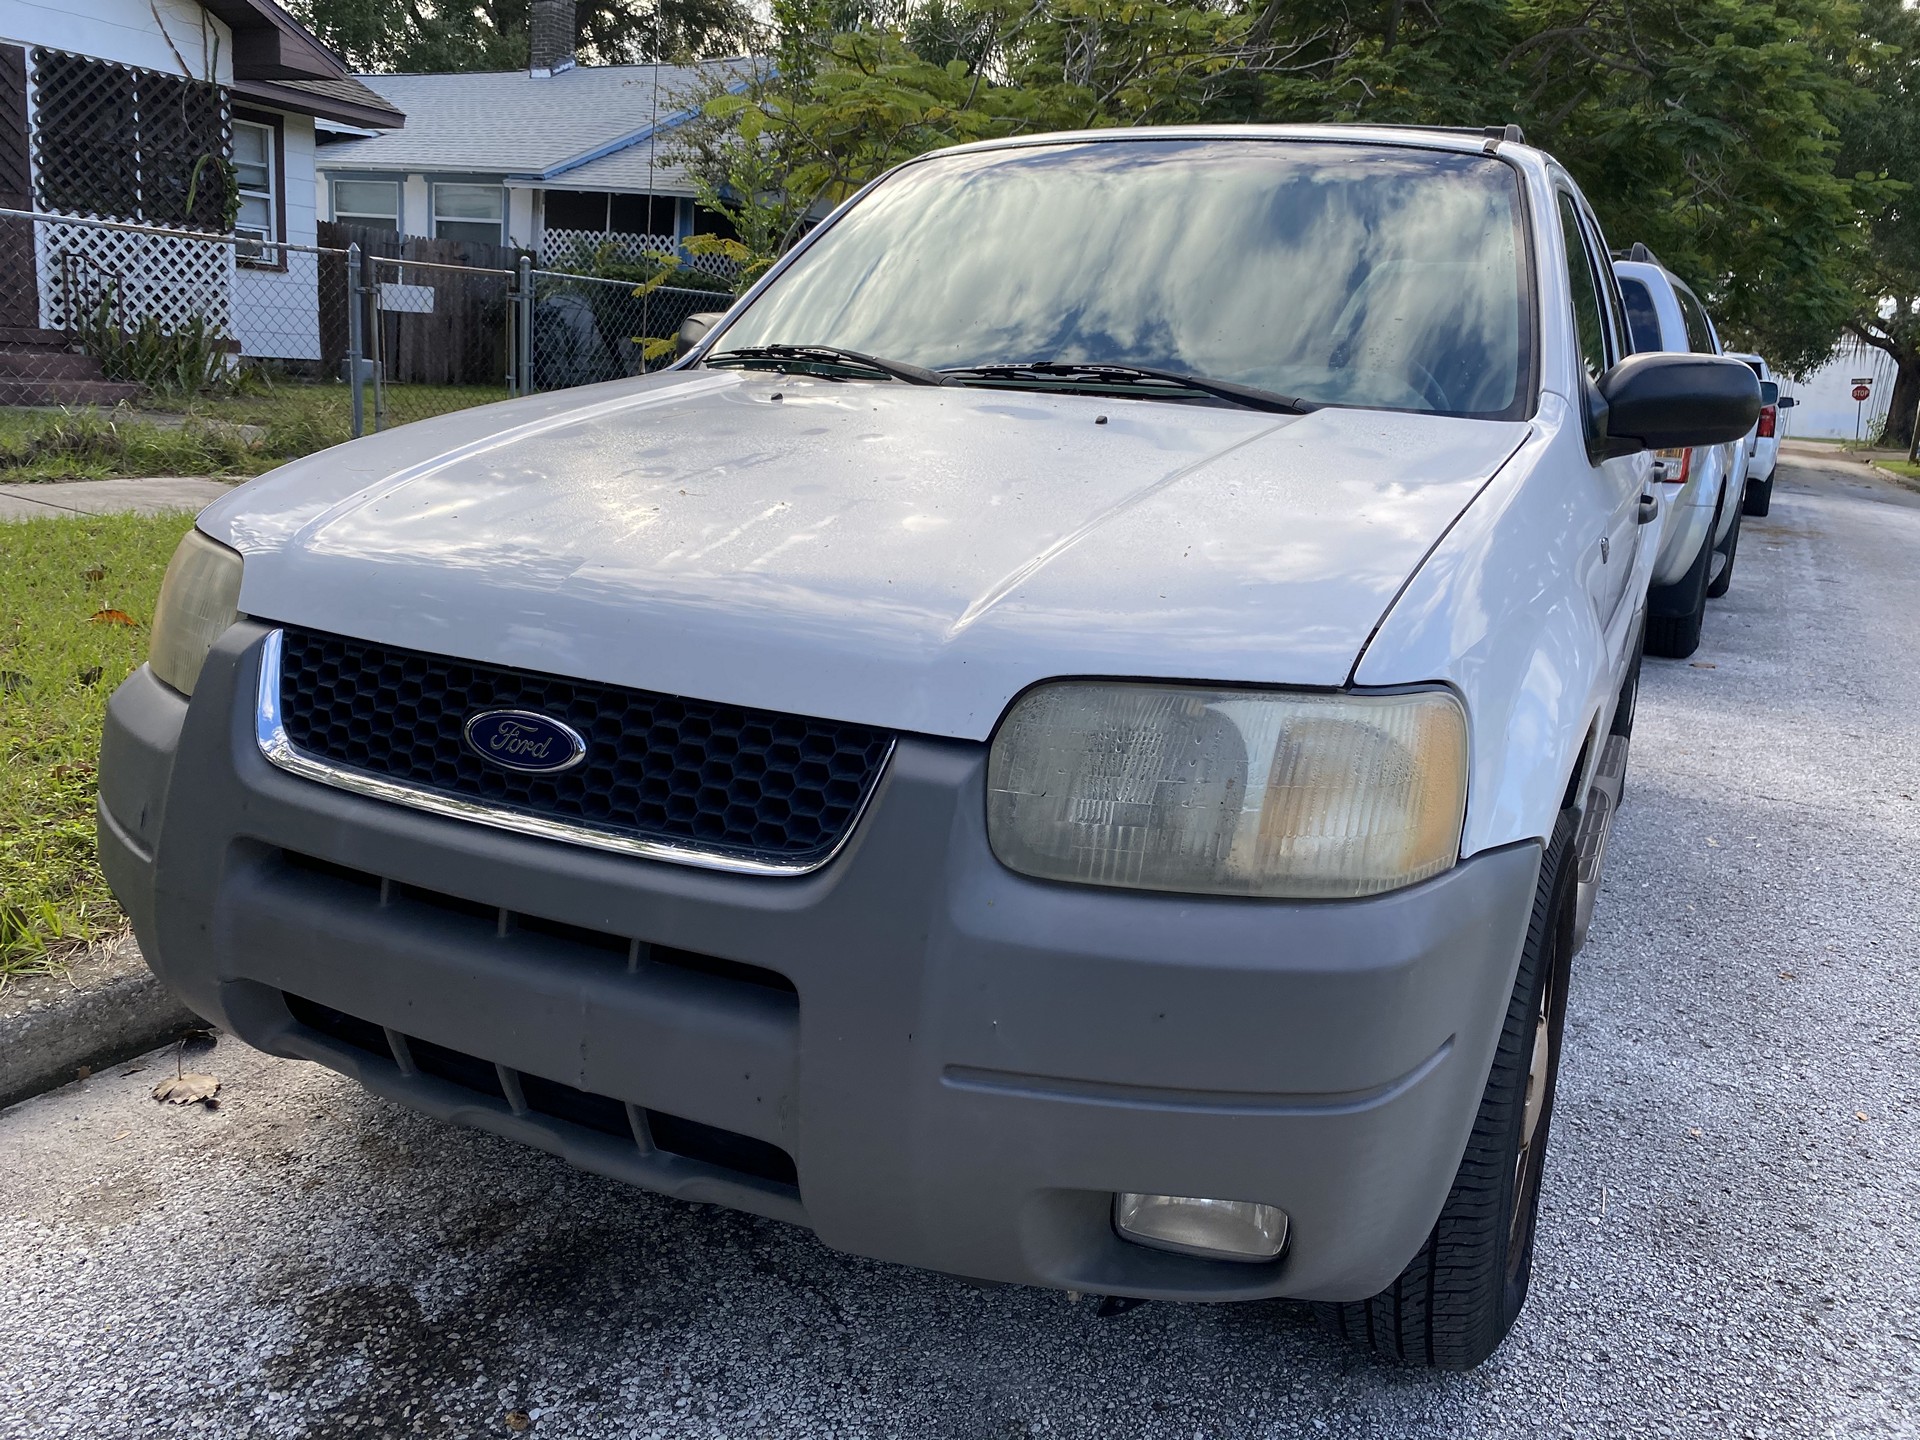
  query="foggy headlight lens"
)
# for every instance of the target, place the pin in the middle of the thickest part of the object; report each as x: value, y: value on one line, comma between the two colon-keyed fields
x: 199, y: 599
x: 1173, y: 787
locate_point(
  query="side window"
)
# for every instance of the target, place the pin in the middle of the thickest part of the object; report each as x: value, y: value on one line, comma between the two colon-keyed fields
x: 1642, y: 319
x: 1584, y: 284
x: 1699, y: 332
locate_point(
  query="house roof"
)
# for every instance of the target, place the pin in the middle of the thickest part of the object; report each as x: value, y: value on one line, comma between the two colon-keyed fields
x: 278, y: 61
x: 585, y: 128
x: 344, y: 99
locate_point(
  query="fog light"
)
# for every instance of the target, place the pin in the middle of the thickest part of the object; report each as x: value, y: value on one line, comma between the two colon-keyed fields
x: 1217, y: 1229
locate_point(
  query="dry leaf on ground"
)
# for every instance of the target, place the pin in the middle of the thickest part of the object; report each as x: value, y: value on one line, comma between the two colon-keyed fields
x: 111, y: 617
x: 96, y: 574
x: 518, y: 1420
x: 186, y: 1089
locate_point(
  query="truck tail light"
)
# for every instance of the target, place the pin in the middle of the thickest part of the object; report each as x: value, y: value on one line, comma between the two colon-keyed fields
x: 1767, y: 416
x: 1672, y: 466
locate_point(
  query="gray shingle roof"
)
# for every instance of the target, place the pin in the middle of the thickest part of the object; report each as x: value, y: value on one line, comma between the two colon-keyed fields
x: 516, y: 125
x: 348, y: 91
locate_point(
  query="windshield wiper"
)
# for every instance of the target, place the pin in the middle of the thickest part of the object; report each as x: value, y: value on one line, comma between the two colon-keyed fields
x: 1250, y: 396
x: 831, y: 355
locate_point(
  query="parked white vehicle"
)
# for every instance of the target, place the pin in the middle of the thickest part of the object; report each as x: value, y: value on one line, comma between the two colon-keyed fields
x: 1763, y: 445
x: 1079, y: 758
x: 1702, y: 485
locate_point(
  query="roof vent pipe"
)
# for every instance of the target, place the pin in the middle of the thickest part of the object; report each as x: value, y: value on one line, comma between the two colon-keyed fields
x: 550, y: 48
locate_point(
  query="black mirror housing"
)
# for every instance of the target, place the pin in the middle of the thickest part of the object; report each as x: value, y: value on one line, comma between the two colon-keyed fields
x: 1670, y: 401
x: 694, y: 329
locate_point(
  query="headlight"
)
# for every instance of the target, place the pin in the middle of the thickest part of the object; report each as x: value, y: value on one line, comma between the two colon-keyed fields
x: 1225, y: 792
x: 198, y: 601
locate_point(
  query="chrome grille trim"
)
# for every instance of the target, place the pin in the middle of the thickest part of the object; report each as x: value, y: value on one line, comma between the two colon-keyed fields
x: 271, y: 736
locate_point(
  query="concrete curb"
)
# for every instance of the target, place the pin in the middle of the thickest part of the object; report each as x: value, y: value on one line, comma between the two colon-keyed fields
x: 107, y: 1008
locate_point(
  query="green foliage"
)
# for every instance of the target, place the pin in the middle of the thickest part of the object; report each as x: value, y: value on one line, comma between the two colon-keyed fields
x: 58, y: 664
x: 606, y: 261
x: 183, y: 359
x: 400, y: 35
x: 1711, y: 129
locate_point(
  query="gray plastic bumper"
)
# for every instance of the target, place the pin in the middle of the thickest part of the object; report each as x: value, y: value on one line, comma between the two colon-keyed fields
x: 963, y: 1064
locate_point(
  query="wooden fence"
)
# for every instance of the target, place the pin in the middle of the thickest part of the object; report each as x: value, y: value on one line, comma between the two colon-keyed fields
x: 463, y: 340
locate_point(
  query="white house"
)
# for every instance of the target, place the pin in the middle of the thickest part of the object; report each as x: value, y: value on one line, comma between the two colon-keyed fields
x: 531, y: 158
x: 113, y: 110
x: 1827, y: 409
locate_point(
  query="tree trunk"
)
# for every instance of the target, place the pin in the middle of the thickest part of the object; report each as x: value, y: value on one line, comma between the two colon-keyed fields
x: 1899, y: 430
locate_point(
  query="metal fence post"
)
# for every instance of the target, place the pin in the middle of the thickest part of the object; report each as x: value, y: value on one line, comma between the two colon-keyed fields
x: 356, y: 358
x: 523, y: 346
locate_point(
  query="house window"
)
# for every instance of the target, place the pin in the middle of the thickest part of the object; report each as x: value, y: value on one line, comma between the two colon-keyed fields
x: 256, y: 168
x: 371, y: 204
x: 468, y: 212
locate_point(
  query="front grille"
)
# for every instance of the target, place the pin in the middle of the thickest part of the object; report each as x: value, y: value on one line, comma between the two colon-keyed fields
x: 633, y: 1124
x: 683, y: 774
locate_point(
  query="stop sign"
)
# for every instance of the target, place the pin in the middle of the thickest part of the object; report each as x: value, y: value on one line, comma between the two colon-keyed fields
x: 1860, y: 392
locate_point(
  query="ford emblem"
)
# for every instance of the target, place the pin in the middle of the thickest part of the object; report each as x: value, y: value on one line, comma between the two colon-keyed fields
x: 524, y: 740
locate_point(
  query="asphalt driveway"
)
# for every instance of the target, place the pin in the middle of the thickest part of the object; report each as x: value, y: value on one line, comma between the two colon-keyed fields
x: 1730, y: 1240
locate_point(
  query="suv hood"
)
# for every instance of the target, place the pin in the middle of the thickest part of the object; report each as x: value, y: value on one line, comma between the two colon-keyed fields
x: 894, y: 555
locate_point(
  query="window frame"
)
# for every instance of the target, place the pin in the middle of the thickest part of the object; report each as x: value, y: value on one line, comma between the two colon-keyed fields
x: 351, y: 217
x: 270, y: 253
x: 434, y: 187
x: 1564, y: 195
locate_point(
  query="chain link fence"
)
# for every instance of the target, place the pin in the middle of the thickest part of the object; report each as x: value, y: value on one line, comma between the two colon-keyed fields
x: 584, y: 330
x: 247, y: 353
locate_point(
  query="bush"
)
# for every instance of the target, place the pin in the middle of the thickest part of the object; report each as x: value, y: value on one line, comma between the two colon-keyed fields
x: 186, y: 360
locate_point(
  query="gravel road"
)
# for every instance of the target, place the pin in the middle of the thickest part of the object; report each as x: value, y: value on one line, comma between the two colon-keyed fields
x: 1730, y: 1243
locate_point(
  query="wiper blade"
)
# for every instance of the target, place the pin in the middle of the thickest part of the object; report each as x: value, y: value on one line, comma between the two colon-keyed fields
x: 1250, y: 396
x: 832, y: 355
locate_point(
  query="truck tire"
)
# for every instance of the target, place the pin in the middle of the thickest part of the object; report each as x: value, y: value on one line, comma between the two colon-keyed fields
x: 1730, y: 547
x: 1454, y: 1303
x: 1675, y: 634
x: 1759, y: 497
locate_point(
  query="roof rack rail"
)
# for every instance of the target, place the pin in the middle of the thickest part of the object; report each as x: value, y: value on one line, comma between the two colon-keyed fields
x: 1638, y: 251
x: 1492, y: 134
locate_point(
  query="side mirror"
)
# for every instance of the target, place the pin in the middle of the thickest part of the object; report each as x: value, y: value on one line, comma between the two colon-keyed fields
x: 1769, y: 392
x: 1671, y: 402
x: 694, y: 329
x: 1787, y: 402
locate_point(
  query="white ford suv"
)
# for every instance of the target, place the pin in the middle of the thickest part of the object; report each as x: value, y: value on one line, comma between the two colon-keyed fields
x: 1069, y: 741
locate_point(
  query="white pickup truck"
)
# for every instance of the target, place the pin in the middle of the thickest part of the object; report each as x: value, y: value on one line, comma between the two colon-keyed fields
x: 1069, y: 741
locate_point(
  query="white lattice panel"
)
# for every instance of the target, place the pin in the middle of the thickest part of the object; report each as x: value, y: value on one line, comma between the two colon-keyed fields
x: 169, y: 277
x: 579, y: 246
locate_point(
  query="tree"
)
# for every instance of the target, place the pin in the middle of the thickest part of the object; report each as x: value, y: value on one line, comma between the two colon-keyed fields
x: 1710, y: 129
x: 420, y: 36
x: 1885, y: 145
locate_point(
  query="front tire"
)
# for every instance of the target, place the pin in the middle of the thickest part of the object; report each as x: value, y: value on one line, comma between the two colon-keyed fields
x: 1457, y: 1299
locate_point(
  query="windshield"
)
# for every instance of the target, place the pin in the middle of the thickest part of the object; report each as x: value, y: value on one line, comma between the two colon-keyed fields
x: 1338, y: 274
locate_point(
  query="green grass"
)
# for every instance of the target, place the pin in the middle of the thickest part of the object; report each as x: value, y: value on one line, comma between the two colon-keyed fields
x: 57, y: 668
x: 1907, y: 474
x: 200, y: 436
